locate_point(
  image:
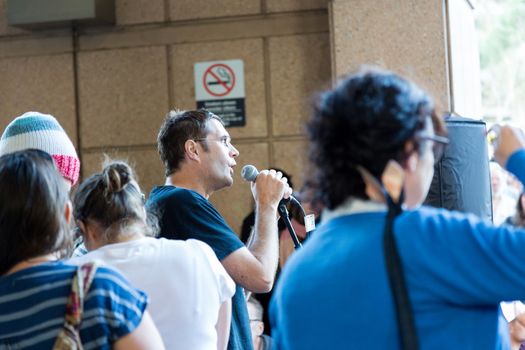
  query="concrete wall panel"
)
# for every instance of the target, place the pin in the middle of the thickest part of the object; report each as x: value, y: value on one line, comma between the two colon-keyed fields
x: 192, y: 9
x: 123, y: 96
x: 404, y: 36
x: 294, y: 5
x: 38, y: 83
x: 291, y: 156
x: 146, y: 163
x: 296, y: 73
x: 139, y: 11
x: 250, y: 51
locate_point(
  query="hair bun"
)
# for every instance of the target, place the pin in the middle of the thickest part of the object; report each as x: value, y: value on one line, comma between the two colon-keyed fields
x: 116, y: 175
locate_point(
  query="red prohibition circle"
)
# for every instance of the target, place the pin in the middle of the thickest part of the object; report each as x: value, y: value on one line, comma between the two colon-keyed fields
x: 210, y: 71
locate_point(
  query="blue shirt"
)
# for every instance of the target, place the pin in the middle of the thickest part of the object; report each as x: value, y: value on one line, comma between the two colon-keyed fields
x: 334, y: 292
x: 185, y: 214
x: 516, y: 165
x: 33, y: 306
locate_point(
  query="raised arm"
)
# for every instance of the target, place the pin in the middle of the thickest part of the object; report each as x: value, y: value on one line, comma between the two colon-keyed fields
x: 254, y: 267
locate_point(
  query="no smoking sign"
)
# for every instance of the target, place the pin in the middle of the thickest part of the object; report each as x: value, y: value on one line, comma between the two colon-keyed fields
x: 219, y: 80
x: 219, y: 87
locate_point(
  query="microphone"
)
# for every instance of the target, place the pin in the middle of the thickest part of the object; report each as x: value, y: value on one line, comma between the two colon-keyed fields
x: 249, y: 173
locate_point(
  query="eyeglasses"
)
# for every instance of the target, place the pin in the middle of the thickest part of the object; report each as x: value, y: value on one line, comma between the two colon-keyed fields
x: 226, y: 141
x: 439, y: 144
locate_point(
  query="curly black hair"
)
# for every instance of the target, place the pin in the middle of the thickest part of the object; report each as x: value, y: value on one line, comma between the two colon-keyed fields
x: 366, y: 120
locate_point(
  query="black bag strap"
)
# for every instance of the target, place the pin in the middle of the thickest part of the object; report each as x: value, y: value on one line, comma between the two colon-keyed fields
x: 405, y: 316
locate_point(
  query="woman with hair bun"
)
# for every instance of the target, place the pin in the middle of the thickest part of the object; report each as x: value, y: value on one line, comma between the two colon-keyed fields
x: 46, y: 303
x: 189, y: 290
x: 382, y: 271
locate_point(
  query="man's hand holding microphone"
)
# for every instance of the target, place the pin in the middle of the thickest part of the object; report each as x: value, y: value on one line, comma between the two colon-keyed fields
x: 268, y: 187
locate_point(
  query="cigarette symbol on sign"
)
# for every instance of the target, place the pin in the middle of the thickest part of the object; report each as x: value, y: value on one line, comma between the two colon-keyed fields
x: 218, y: 80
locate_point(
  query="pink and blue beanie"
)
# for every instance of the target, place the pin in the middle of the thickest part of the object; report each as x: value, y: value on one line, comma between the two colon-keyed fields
x: 43, y: 132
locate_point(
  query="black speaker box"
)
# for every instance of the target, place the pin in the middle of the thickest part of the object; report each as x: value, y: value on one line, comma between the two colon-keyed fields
x: 462, y: 176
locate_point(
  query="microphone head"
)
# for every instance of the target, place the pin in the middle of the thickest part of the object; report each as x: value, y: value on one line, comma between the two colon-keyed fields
x: 249, y: 172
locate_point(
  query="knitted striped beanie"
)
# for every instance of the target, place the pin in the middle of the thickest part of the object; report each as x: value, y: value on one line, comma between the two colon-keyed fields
x: 43, y: 132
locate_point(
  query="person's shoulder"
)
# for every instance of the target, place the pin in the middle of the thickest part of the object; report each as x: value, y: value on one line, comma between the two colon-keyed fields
x: 160, y: 192
x: 108, y: 282
x: 94, y: 257
x: 122, y: 305
x: 441, y: 215
x: 431, y: 221
x: 172, y: 193
x: 43, y: 273
x: 170, y: 245
x: 200, y: 246
x: 190, y: 246
x: 108, y: 276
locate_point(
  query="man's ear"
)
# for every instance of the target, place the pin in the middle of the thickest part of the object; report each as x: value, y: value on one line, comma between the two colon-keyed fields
x: 191, y: 150
x: 413, y: 157
x: 412, y: 161
x: 68, y: 212
x: 260, y: 327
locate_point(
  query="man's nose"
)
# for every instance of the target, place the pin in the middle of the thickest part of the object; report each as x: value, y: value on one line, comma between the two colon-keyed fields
x: 233, y: 151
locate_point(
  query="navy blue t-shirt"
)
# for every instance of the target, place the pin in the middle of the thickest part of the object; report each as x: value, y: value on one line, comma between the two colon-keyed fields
x: 185, y: 214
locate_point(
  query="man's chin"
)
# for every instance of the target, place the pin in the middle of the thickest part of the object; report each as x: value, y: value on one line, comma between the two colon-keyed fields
x: 228, y: 182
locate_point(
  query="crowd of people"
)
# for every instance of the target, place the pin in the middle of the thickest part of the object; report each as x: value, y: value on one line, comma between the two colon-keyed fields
x: 112, y: 269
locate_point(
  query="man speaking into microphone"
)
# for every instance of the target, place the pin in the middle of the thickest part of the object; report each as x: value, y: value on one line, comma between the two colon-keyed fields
x: 199, y: 159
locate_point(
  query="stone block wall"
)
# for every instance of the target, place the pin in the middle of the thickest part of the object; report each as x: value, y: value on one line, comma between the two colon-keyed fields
x: 111, y: 86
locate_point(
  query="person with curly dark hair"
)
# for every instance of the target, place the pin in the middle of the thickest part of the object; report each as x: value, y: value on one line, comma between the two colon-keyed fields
x: 374, y: 140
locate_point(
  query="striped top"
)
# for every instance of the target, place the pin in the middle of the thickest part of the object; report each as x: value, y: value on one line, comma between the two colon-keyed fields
x: 33, y: 305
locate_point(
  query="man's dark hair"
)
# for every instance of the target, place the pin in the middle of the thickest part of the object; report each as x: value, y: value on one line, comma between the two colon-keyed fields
x: 32, y: 221
x: 366, y: 120
x: 179, y: 127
